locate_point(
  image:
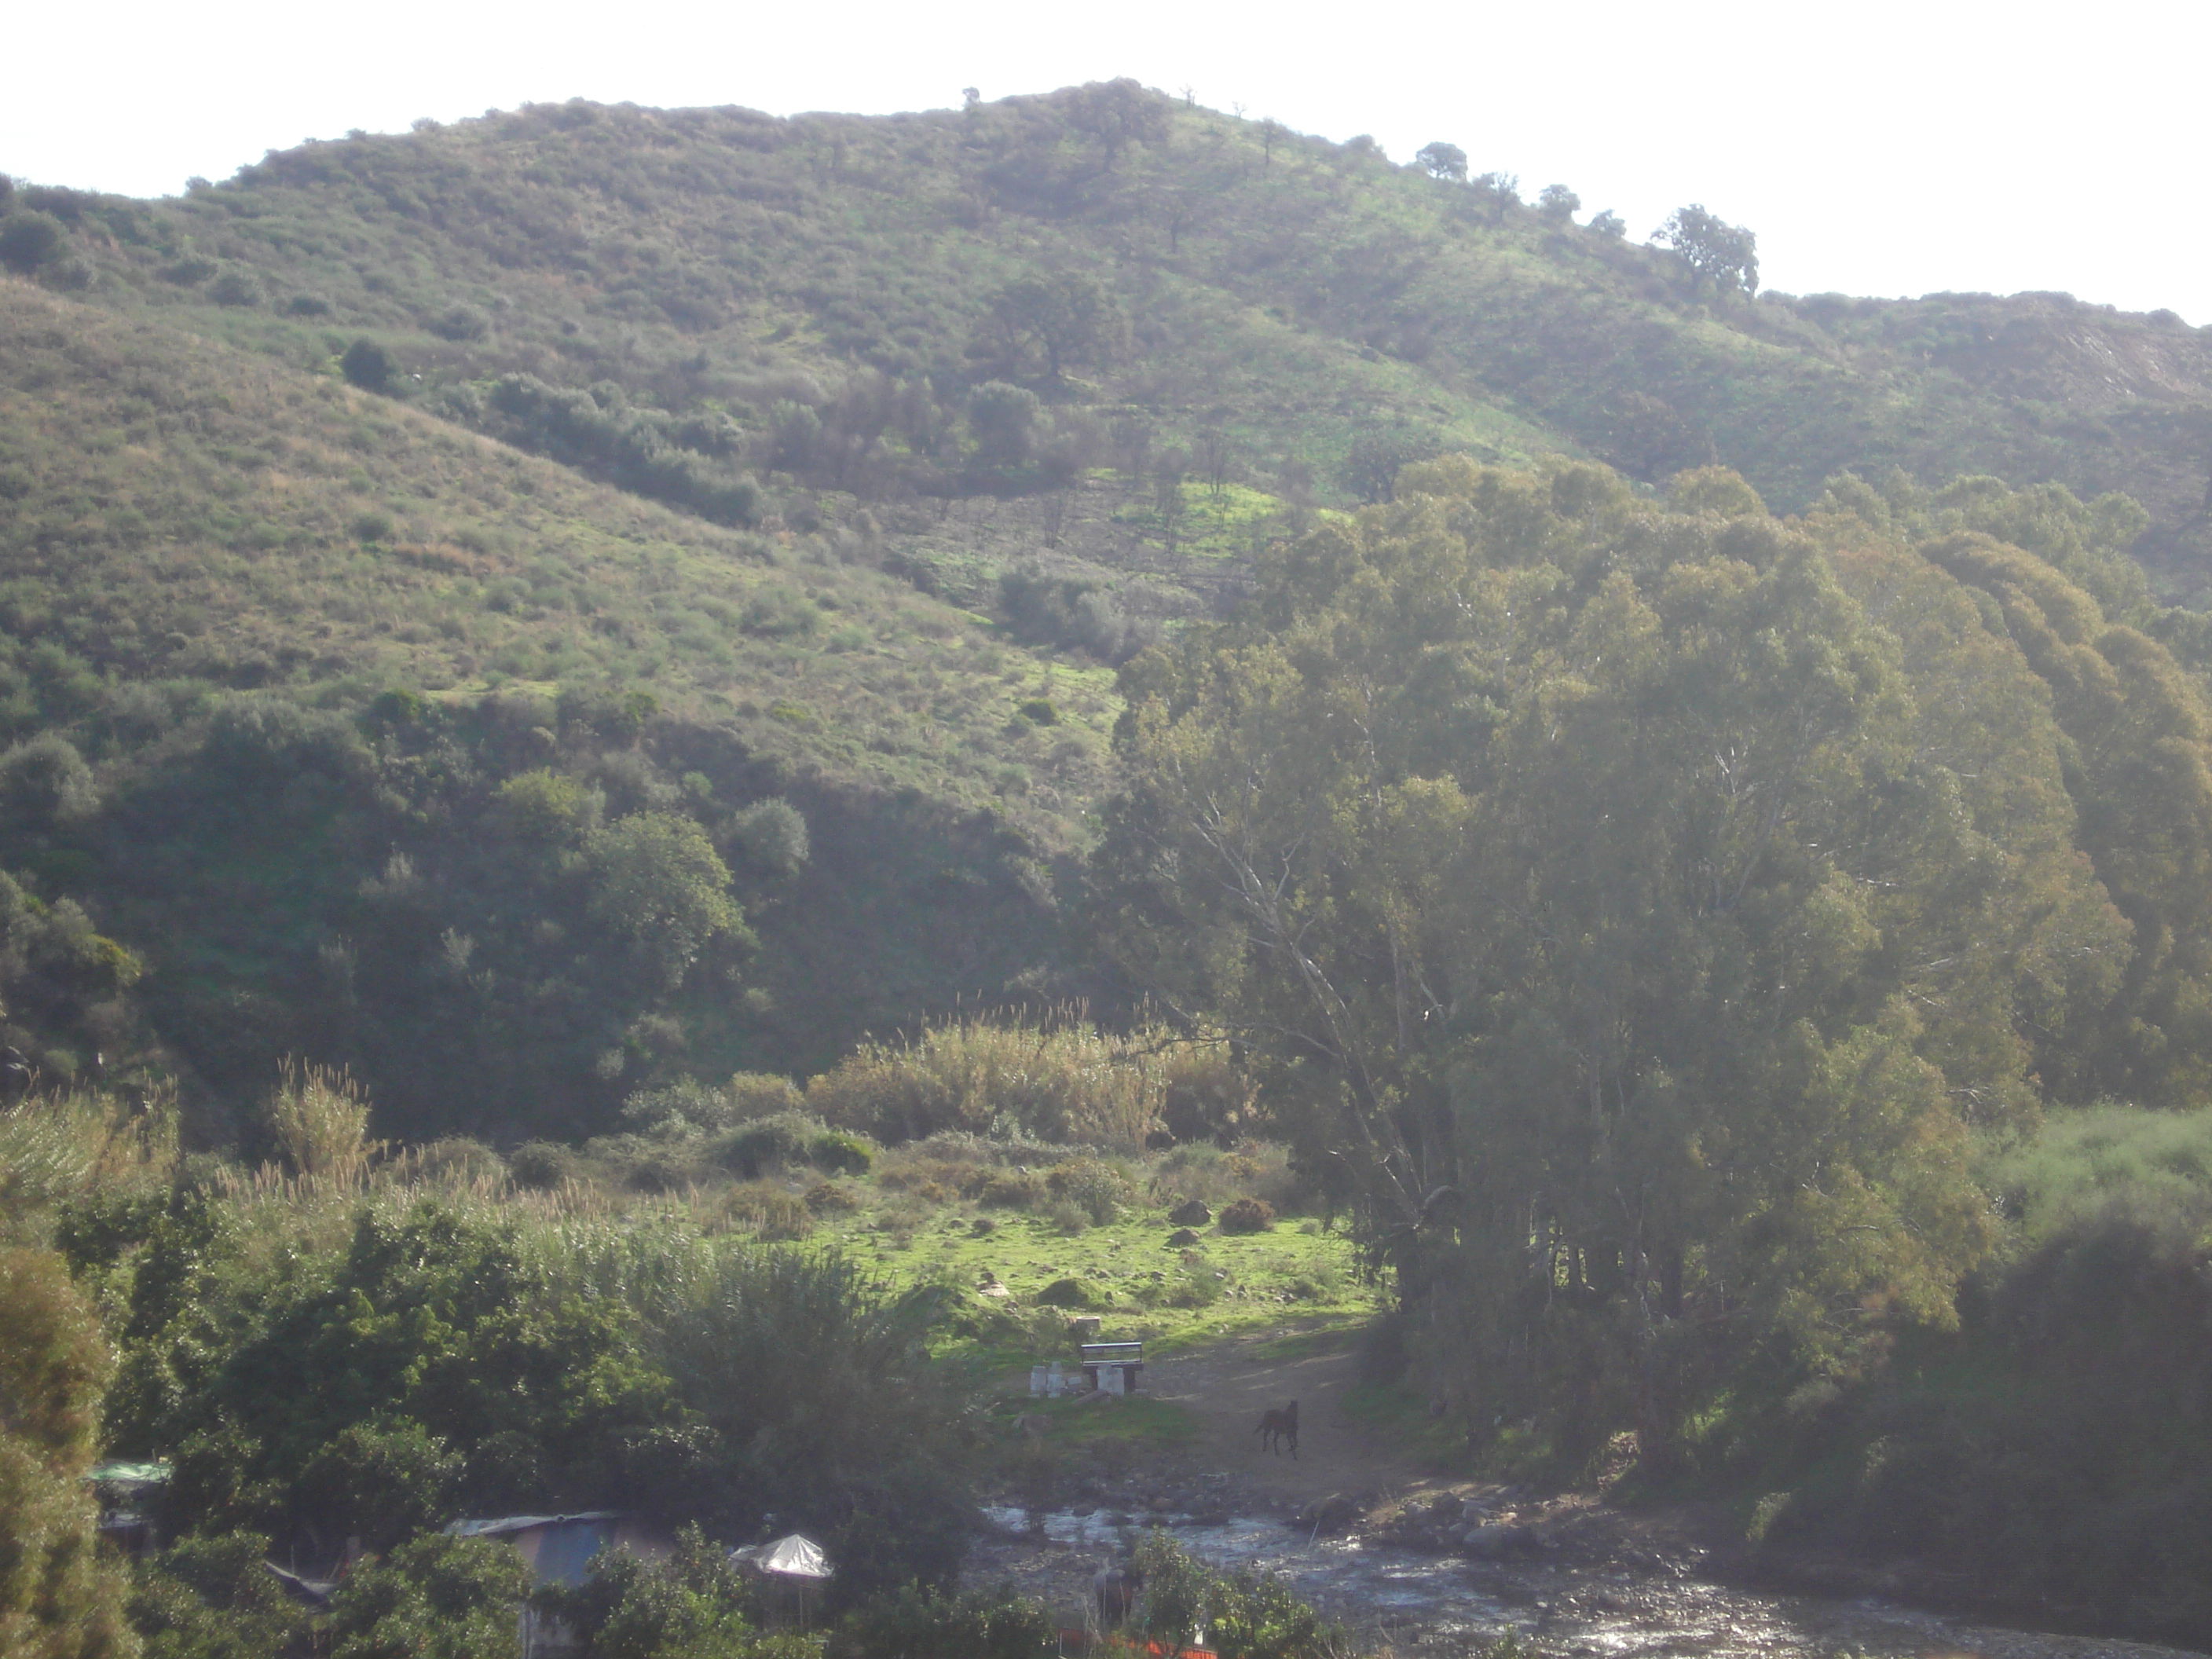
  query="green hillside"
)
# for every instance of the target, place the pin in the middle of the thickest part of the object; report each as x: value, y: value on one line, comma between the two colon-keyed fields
x: 819, y: 297
x: 822, y: 712
x: 693, y: 461
x: 271, y: 640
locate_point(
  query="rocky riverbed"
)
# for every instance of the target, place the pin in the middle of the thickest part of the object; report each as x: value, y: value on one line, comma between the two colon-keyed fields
x: 1450, y: 1573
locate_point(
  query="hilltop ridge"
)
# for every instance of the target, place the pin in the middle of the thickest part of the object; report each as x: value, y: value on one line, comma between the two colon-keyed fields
x: 1287, y: 312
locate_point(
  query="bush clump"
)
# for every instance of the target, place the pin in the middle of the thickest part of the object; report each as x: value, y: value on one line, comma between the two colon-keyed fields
x: 687, y: 1105
x: 791, y: 1138
x: 1012, y: 1189
x: 1248, y: 1215
x: 542, y: 1165
x: 29, y: 239
x: 368, y: 366
x: 1074, y: 1293
x: 1245, y: 1614
x: 978, y: 1624
x: 833, y: 1197
x: 1093, y: 1186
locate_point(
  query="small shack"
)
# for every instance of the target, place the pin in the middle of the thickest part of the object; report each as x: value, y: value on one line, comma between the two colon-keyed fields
x: 793, y: 1573
x: 126, y: 1492
x: 558, y: 1549
x: 1114, y: 1367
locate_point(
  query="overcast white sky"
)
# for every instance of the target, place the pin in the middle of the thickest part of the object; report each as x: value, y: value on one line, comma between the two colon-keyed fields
x: 1880, y: 148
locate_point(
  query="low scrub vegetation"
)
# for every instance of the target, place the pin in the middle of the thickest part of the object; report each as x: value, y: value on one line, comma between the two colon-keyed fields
x: 357, y: 1341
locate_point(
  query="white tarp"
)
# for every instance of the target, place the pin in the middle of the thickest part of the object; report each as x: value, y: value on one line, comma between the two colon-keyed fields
x: 793, y: 1557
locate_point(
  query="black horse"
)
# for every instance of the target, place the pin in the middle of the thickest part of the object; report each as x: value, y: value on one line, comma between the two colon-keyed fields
x: 1114, y: 1591
x: 1278, y: 1426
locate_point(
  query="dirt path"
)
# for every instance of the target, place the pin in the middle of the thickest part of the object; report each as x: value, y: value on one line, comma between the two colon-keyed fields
x: 1227, y: 1386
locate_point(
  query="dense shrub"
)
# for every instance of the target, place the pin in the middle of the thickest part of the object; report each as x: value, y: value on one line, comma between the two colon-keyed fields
x: 833, y: 1197
x: 236, y: 288
x: 998, y: 1622
x: 643, y: 449
x: 434, y: 1597
x: 2058, y: 1447
x: 841, y: 1152
x: 660, y: 886
x: 772, y: 833
x: 1011, y: 1189
x: 1093, y: 1186
x: 689, y: 1603
x: 1248, y: 1215
x: 1071, y: 1294
x: 211, y: 1597
x: 59, y: 1594
x: 433, y: 1323
x: 29, y: 239
x: 542, y: 1165
x: 1003, y: 419
x: 767, y: 1143
x: 688, y: 1104
x: 368, y: 366
x: 2083, y: 1160
x: 1072, y: 613
x: 905, y: 1525
x: 380, y: 1481
x: 44, y: 782
x: 768, y: 1210
x: 819, y: 1380
x: 1243, y: 1615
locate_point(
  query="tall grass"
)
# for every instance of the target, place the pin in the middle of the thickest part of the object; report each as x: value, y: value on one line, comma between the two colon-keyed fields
x: 319, y: 1116
x: 1056, y: 1079
x: 59, y: 1146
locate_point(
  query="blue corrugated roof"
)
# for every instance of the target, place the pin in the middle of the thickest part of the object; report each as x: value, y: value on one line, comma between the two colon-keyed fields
x: 523, y: 1522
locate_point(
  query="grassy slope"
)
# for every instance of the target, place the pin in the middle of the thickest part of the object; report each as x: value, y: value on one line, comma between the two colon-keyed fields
x: 709, y: 257
x: 179, y: 510
x: 1297, y: 1283
x: 1266, y: 1277
x: 179, y: 520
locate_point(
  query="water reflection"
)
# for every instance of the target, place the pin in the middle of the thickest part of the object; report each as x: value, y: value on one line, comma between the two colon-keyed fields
x: 1443, y: 1605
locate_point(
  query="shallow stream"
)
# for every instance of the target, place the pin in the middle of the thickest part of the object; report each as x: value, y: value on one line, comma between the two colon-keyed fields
x: 1437, y: 1605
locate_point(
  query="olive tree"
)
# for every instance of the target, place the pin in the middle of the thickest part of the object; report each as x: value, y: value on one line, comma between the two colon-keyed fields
x: 1442, y: 160
x: 1724, y: 254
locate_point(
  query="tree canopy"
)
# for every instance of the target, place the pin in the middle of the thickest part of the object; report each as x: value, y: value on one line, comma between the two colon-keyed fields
x: 1641, y: 906
x: 1721, y: 254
